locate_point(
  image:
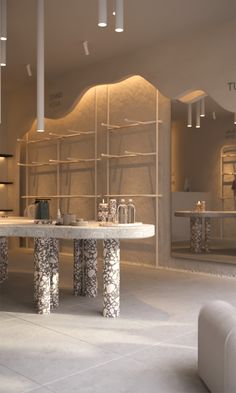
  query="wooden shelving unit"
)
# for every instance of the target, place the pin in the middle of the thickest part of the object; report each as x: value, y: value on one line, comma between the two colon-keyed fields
x: 5, y: 182
x: 227, y: 175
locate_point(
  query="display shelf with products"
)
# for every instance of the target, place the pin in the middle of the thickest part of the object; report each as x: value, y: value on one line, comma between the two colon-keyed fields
x: 4, y: 174
x: 228, y: 180
x: 135, y: 159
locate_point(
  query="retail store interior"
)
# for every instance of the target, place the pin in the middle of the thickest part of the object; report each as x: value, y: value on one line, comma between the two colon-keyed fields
x: 103, y: 101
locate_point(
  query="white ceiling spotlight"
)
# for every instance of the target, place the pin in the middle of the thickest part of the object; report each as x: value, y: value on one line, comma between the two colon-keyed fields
x: 40, y: 65
x: 202, y: 107
x: 3, y: 54
x: 86, y: 49
x: 28, y: 69
x: 119, y: 16
x: 3, y: 10
x: 189, y: 116
x: 102, y: 13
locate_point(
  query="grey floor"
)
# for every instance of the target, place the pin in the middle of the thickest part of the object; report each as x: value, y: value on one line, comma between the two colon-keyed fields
x: 151, y: 348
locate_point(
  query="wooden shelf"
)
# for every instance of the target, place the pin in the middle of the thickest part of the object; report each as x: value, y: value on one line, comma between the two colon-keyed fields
x: 58, y: 162
x: 6, y: 155
x: 59, y: 196
x: 135, y: 195
x: 128, y: 154
x: 130, y: 124
x: 6, y: 182
x: 55, y: 137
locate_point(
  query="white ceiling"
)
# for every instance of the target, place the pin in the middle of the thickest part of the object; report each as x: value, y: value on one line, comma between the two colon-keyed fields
x: 70, y: 22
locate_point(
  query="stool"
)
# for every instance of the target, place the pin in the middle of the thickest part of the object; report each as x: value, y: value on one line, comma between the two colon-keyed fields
x: 217, y: 346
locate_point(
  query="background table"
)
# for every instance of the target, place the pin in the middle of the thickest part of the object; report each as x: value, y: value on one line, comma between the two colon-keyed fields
x: 200, y: 226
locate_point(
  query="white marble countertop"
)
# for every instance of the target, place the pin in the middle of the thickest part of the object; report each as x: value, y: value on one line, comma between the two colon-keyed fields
x: 23, y: 227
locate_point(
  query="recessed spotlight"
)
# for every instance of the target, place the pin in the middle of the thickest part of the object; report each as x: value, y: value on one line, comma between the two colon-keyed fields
x: 86, y: 49
x: 28, y: 69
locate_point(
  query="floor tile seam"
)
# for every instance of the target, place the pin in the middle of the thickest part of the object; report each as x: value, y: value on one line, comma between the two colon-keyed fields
x: 20, y: 374
x: 178, y: 336
x: 158, y: 343
x: 78, y: 340
x: 47, y: 384
x: 8, y: 320
x: 39, y: 387
x: 172, y: 345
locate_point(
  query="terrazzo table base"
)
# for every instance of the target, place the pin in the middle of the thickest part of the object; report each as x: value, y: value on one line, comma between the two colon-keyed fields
x: 46, y: 278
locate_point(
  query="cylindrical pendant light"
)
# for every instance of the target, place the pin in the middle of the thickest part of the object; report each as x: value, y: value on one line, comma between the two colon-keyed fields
x: 3, y: 53
x: 119, y: 16
x: 40, y: 65
x: 202, y: 107
x: 0, y: 95
x: 102, y: 13
x: 189, y: 124
x: 3, y: 10
x: 198, y: 119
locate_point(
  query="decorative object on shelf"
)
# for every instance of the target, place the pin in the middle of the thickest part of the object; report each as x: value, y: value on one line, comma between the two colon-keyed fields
x: 59, y: 219
x: 30, y: 211
x: 186, y: 185
x: 69, y: 219
x: 42, y: 209
x: 200, y: 206
x: 122, y: 212
x: 103, y: 211
x: 130, y: 212
x: 233, y: 186
x: 112, y: 210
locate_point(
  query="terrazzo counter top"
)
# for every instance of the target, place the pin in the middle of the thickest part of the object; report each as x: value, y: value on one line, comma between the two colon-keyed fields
x: 20, y: 227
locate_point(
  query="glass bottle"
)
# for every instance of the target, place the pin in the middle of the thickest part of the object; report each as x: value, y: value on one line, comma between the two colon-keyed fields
x: 122, y: 212
x: 130, y: 212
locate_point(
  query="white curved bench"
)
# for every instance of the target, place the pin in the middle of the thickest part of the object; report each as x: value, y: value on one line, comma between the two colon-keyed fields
x: 217, y: 346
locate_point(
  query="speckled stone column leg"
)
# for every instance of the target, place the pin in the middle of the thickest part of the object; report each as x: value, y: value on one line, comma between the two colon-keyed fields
x: 196, y: 234
x: 79, y: 273
x: 42, y: 274
x: 111, y: 278
x: 54, y: 273
x: 3, y: 258
x: 90, y: 261
x: 207, y: 233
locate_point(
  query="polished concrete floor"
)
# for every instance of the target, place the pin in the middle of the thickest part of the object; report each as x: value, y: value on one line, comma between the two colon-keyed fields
x: 151, y: 348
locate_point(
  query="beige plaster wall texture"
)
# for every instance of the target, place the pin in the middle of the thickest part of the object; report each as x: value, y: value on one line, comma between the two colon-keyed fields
x: 134, y: 99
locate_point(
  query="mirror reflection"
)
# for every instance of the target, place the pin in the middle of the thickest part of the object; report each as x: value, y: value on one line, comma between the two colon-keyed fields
x: 203, y: 181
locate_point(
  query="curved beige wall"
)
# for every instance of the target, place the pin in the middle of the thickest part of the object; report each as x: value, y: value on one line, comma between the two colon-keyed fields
x: 205, y: 60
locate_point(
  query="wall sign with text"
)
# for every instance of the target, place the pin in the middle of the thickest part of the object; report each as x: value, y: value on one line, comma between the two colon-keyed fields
x: 231, y: 86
